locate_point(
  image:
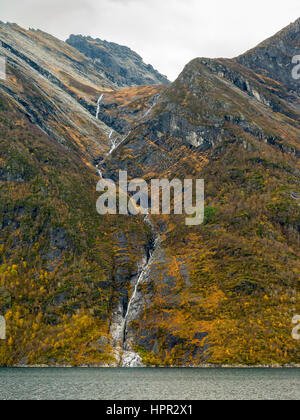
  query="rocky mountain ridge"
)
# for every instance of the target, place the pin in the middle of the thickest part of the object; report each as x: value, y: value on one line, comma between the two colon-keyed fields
x: 120, y: 64
x: 224, y: 292
x: 238, y: 129
x: 273, y: 59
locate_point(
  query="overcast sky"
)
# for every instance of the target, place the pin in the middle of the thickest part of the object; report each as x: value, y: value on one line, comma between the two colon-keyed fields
x: 166, y: 33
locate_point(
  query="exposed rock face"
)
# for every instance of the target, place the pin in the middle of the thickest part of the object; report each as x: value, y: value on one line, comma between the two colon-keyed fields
x: 58, y: 87
x: 273, y: 57
x: 126, y: 108
x: 224, y: 121
x: 212, y: 100
x: 119, y: 64
x: 50, y: 138
x: 95, y: 290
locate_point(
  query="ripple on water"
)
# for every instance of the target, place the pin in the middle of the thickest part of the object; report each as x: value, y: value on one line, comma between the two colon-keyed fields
x: 146, y: 383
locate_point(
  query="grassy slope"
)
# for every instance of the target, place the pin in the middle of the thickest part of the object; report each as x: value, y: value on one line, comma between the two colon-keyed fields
x: 59, y: 258
x: 57, y: 255
x: 244, y: 261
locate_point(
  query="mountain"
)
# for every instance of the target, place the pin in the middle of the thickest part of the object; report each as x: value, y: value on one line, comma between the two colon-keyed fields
x: 83, y: 289
x: 272, y: 58
x: 61, y: 265
x: 119, y: 64
x: 57, y: 90
x: 224, y: 292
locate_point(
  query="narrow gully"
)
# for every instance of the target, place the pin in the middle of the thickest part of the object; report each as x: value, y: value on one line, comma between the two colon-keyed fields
x: 145, y: 269
x: 155, y: 238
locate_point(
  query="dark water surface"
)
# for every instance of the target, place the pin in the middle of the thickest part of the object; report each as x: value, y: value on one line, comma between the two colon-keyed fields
x: 143, y: 384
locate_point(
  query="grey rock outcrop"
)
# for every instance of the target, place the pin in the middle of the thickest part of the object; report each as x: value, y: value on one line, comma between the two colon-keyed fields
x: 118, y: 63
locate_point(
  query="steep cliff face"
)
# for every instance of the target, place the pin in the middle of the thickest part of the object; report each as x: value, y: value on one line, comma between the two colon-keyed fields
x: 79, y: 288
x: 273, y: 58
x: 126, y: 108
x: 63, y: 269
x: 55, y: 87
x: 212, y: 101
x: 119, y: 64
x: 226, y: 291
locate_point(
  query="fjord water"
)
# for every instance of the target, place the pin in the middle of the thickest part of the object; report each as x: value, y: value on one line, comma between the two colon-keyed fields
x: 144, y: 384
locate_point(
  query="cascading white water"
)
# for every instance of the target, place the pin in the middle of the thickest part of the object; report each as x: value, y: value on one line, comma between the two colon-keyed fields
x: 122, y: 141
x: 129, y: 358
x: 121, y: 335
x: 119, y: 332
x: 99, y: 171
x: 129, y: 306
x: 148, y: 111
x: 145, y: 269
x: 114, y: 145
x: 114, y: 141
x: 155, y: 100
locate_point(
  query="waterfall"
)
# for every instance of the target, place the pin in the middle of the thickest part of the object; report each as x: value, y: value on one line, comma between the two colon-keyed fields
x: 155, y: 100
x: 129, y: 358
x: 120, y: 321
x: 99, y: 171
x: 124, y: 327
x: 113, y: 144
x: 145, y: 269
x: 114, y: 141
x: 119, y: 326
